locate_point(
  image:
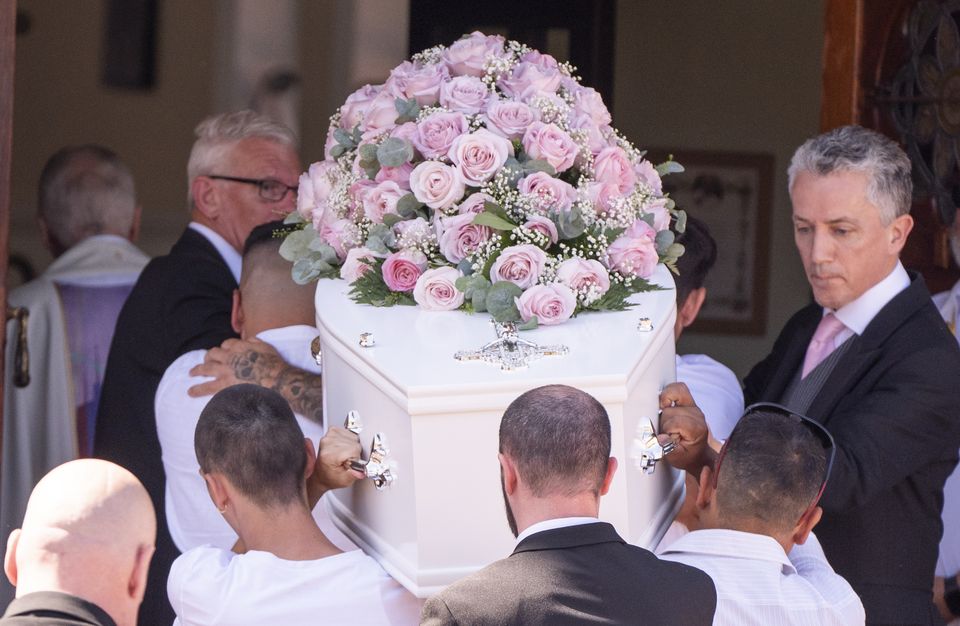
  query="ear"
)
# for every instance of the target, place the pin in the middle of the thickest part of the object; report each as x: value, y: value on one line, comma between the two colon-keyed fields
x: 137, y: 584
x: 509, y: 472
x: 10, y: 558
x: 311, y: 458
x: 236, y: 314
x: 707, y: 490
x: 218, y: 490
x: 206, y: 197
x: 899, y: 230
x: 608, y: 478
x: 135, y: 226
x: 691, y: 306
x: 805, y: 525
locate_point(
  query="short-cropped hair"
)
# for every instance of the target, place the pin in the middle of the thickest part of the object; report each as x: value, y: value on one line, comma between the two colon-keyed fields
x: 771, y: 472
x: 216, y: 135
x: 559, y: 439
x: 248, y: 433
x: 698, y: 258
x: 858, y: 149
x: 83, y: 191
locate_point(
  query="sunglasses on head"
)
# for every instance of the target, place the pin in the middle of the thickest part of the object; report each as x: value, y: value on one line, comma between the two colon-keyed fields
x: 819, y: 431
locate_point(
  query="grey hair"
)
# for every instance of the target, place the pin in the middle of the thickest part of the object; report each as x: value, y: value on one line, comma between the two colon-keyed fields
x: 84, y: 191
x: 854, y: 148
x: 217, y: 134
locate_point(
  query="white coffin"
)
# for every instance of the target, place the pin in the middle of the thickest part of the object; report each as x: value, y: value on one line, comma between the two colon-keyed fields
x: 444, y: 516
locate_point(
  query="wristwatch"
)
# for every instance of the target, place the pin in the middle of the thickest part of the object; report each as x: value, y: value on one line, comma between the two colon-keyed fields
x: 951, y: 594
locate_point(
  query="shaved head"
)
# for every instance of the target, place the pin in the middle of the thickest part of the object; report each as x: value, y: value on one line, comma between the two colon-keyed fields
x: 89, y: 530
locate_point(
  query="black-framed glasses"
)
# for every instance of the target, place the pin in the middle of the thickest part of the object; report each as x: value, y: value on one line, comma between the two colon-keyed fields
x: 819, y: 431
x: 269, y: 188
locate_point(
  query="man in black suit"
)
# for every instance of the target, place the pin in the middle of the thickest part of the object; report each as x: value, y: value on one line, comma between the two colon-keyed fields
x: 873, y: 361
x: 243, y: 171
x: 567, y: 567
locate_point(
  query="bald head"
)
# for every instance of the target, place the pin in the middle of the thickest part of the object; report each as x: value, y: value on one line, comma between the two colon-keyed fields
x: 268, y: 296
x: 89, y: 530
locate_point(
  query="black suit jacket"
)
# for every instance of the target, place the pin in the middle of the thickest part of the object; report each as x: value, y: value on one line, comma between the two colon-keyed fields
x: 52, y: 608
x: 581, y: 574
x: 892, y: 404
x: 181, y: 302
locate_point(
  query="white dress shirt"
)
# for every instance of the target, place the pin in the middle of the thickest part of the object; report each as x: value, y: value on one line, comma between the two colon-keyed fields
x: 230, y: 255
x: 191, y: 516
x: 551, y: 524
x: 212, y: 586
x: 758, y: 584
x: 715, y: 389
x: 858, y: 314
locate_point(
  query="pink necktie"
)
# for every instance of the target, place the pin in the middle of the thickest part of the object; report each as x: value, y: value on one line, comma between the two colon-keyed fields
x: 822, y: 343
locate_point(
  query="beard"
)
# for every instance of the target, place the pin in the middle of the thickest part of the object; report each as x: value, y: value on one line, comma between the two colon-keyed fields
x: 511, y: 520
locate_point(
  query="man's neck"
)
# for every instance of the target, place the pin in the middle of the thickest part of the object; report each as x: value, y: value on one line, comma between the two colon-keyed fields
x: 288, y: 533
x: 535, y: 510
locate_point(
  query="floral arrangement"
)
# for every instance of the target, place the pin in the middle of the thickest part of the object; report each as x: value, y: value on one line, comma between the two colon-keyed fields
x: 482, y: 176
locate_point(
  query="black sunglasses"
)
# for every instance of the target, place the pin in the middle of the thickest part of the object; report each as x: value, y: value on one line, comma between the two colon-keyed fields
x: 819, y: 431
x: 269, y: 188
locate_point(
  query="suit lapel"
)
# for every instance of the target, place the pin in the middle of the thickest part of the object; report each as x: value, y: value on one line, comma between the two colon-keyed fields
x: 793, y: 355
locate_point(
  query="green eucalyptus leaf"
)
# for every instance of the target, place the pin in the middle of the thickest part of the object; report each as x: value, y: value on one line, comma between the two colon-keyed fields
x: 530, y: 324
x: 570, y: 223
x: 297, y: 244
x: 479, y: 301
x: 304, y: 271
x: 493, y: 221
x: 344, y: 139
x: 681, y: 224
x: 501, y: 301
x: 538, y: 165
x: 407, y: 110
x: 676, y: 250
x: 337, y: 151
x: 394, y: 152
x: 294, y: 217
x: 408, y: 204
x: 368, y: 153
x: 390, y: 219
x: 465, y: 267
x: 663, y: 241
x: 669, y: 167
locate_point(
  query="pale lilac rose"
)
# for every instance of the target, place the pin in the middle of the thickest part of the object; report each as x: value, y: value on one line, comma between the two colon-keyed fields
x: 541, y: 60
x: 479, y: 155
x: 353, y: 110
x: 402, y: 269
x: 510, y: 118
x: 420, y: 83
x: 595, y: 136
x: 604, y: 196
x: 436, y: 289
x: 520, y: 265
x: 647, y: 173
x: 406, y: 131
x: 634, y: 252
x: 460, y: 236
x: 548, y: 193
x: 380, y: 116
x: 527, y: 80
x: 436, y: 132
x: 328, y: 145
x: 661, y: 216
x: 382, y: 199
x: 341, y: 235
x: 353, y: 266
x: 358, y: 190
x: 641, y: 230
x: 412, y: 233
x: 550, y: 143
x: 399, y: 175
x: 588, y: 101
x: 578, y: 273
x: 437, y: 185
x: 313, y: 194
x: 468, y: 55
x: 474, y: 204
x: 551, y: 304
x: 540, y: 224
x: 466, y: 94
x: 613, y: 166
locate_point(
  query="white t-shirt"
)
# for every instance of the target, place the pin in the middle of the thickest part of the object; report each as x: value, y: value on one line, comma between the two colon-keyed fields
x: 715, y: 389
x: 191, y: 516
x: 212, y: 586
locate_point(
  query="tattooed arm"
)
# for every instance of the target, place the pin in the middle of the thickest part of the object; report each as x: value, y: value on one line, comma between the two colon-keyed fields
x: 254, y: 361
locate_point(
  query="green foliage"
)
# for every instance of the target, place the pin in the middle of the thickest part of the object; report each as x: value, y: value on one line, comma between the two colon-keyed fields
x: 408, y: 205
x: 669, y: 167
x: 294, y: 217
x: 616, y: 297
x: 368, y: 160
x: 407, y: 110
x: 394, y: 152
x: 681, y: 222
x: 501, y: 301
x: 311, y: 258
x: 570, y: 223
x: 474, y: 288
x: 495, y: 217
x: 663, y: 241
x: 370, y: 288
x: 380, y: 239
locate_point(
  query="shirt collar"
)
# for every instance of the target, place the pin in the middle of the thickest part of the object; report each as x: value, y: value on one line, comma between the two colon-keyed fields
x: 229, y: 254
x: 551, y: 524
x: 858, y: 314
x: 734, y: 544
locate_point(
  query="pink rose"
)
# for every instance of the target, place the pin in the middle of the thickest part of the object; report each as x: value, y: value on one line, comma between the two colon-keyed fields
x: 407, y: 130
x: 314, y: 191
x: 461, y: 237
x: 341, y: 235
x: 352, y: 111
x: 402, y: 269
x: 596, y: 136
x: 527, y: 80
x: 541, y: 60
x: 588, y: 101
x: 661, y: 216
x: 468, y: 55
x: 399, y: 175
x: 474, y: 204
x: 613, y: 166
x: 381, y: 199
x: 647, y: 174
x: 510, y: 118
x: 353, y: 266
x: 466, y: 94
x: 328, y: 145
x: 551, y: 304
x: 634, y: 252
x: 604, y: 197
x: 420, y: 83
x: 548, y: 193
x: 577, y: 273
x: 521, y: 265
x: 437, y: 185
x: 540, y: 224
x: 436, y: 132
x: 550, y: 143
x: 380, y: 116
x: 436, y: 289
x: 479, y: 155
